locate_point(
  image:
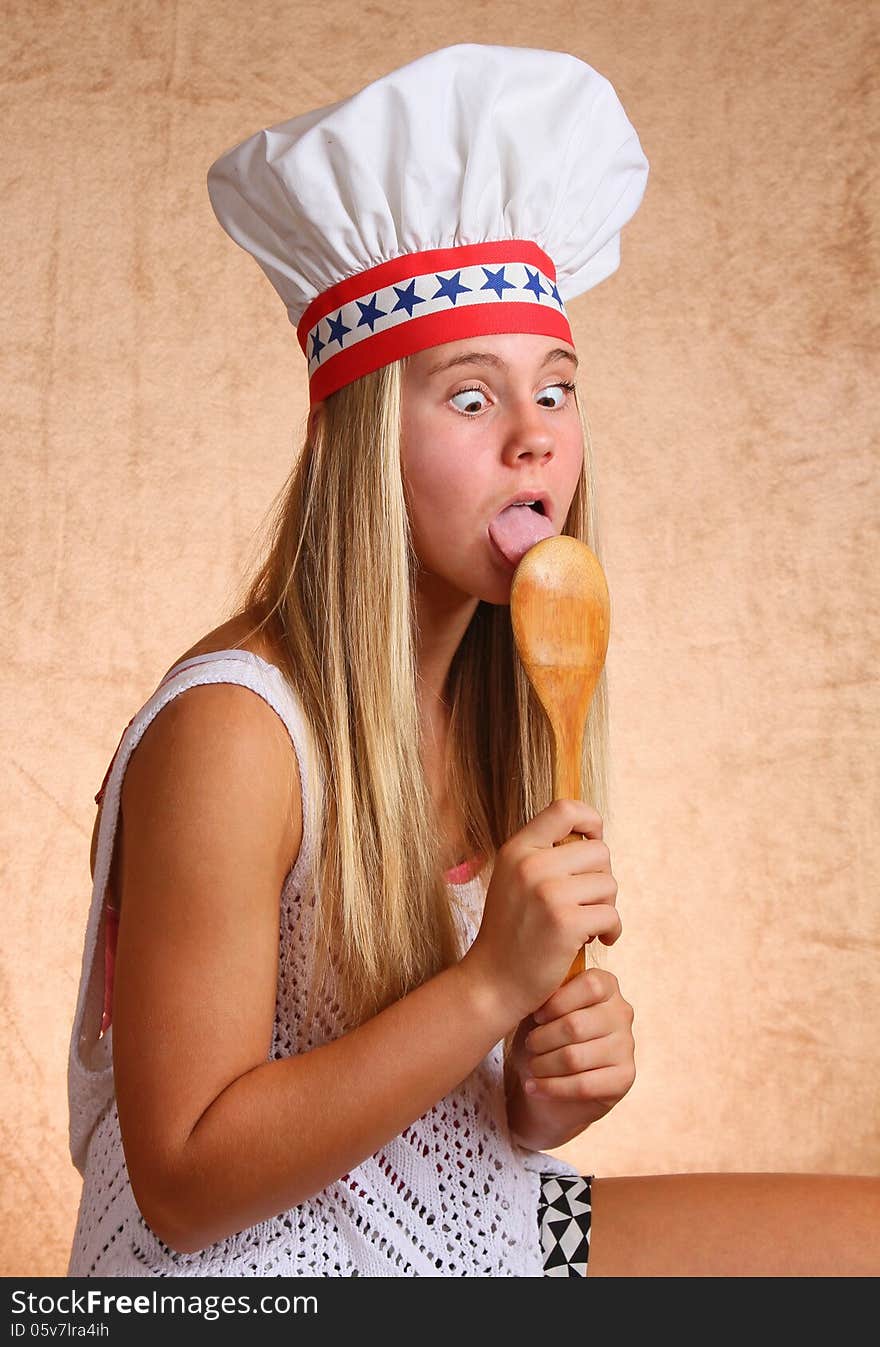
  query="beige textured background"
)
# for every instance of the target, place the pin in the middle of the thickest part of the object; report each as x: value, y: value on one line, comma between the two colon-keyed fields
x: 153, y: 391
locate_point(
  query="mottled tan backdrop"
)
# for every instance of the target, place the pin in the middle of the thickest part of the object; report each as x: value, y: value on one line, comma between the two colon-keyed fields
x: 154, y: 393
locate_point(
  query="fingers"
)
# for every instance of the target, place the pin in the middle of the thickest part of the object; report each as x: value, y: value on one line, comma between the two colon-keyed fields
x: 596, y: 912
x: 560, y: 818
x: 608, y: 1083
x: 570, y: 1043
x: 582, y: 1046
x: 599, y: 919
x: 572, y: 1058
x: 584, y: 856
x: 557, y: 898
x: 574, y: 1030
x: 589, y: 988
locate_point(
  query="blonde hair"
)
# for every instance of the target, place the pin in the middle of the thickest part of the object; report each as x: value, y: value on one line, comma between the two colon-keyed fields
x: 337, y: 590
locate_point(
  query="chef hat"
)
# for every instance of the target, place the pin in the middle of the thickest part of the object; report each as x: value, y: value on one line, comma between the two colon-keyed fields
x: 475, y: 190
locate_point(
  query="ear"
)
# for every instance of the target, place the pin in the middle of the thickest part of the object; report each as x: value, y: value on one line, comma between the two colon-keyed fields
x: 315, y: 415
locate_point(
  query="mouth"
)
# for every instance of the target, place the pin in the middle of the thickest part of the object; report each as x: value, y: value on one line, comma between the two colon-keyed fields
x: 538, y: 502
x: 520, y: 524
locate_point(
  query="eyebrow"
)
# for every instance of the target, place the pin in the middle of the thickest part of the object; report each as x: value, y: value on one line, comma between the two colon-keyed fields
x: 486, y: 358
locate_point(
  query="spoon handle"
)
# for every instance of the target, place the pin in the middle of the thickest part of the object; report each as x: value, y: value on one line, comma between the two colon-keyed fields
x: 568, y: 742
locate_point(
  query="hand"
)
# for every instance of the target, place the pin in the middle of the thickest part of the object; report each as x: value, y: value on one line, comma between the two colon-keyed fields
x: 543, y: 904
x: 581, y: 1056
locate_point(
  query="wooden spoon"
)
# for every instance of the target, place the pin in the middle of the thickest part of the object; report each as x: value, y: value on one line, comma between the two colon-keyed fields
x: 561, y: 616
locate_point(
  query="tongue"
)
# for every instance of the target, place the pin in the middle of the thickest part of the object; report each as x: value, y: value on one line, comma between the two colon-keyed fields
x: 518, y: 528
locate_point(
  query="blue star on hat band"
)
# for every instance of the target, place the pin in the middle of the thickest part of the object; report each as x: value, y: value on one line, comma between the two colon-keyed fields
x: 423, y: 299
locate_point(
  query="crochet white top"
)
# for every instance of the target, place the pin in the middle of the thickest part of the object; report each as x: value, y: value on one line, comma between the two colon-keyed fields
x: 453, y: 1195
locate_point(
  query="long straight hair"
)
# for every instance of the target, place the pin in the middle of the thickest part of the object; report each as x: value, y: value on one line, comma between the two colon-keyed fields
x: 336, y: 590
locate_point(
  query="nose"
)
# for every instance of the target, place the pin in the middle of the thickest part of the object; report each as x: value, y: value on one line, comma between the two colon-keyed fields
x: 528, y: 433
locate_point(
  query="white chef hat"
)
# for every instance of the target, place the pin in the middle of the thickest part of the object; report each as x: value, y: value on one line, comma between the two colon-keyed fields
x: 474, y: 190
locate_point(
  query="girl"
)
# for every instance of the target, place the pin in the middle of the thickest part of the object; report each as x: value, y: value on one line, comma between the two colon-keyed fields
x: 330, y: 922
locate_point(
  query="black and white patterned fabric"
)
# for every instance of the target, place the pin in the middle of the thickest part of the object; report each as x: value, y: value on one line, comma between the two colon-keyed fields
x: 564, y: 1222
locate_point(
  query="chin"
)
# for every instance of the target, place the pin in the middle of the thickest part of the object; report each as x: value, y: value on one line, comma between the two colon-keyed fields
x: 457, y: 590
x: 496, y: 591
x: 487, y: 579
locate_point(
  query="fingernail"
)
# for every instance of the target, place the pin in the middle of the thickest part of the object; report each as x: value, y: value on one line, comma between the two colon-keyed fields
x: 530, y: 1087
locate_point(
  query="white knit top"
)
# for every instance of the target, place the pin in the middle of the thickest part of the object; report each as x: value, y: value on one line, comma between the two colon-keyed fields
x: 452, y: 1196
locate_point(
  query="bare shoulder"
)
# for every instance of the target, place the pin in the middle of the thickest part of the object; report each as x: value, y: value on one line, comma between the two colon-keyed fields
x: 214, y: 750
x: 237, y: 633
x: 231, y: 728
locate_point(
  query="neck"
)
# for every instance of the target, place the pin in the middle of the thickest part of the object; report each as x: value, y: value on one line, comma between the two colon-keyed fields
x: 443, y: 617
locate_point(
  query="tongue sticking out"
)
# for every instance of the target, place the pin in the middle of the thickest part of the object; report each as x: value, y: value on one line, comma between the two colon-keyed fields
x: 518, y: 528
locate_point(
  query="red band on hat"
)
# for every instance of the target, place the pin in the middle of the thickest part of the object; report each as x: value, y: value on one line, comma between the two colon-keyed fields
x: 387, y: 312
x: 433, y: 330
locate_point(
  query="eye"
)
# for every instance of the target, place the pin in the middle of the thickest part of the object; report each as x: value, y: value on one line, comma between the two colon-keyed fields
x: 472, y: 394
x: 566, y: 389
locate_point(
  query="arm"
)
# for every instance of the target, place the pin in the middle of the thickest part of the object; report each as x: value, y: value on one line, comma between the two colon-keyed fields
x: 283, y: 1131
x: 216, y: 1138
